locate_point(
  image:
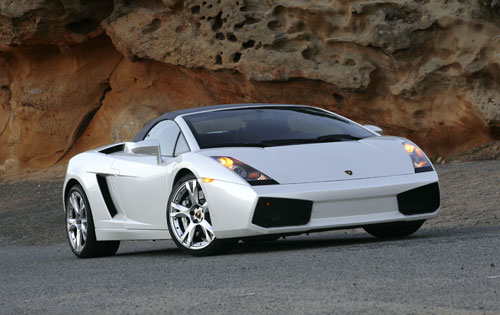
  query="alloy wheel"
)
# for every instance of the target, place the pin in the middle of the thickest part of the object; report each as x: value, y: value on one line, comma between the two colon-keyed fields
x: 76, y: 221
x: 190, y: 217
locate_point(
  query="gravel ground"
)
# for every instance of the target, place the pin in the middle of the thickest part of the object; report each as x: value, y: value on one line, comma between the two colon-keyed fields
x: 31, y: 210
x: 470, y: 194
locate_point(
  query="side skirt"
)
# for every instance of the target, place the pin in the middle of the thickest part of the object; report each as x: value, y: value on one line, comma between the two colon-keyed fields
x: 130, y: 235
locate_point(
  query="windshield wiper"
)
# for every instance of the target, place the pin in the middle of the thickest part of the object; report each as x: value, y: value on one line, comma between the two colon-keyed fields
x: 337, y: 137
x: 278, y: 142
x: 281, y: 142
x: 326, y: 138
x: 223, y: 145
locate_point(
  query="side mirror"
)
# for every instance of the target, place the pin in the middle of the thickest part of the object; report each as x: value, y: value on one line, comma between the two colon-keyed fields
x: 146, y: 147
x: 373, y: 128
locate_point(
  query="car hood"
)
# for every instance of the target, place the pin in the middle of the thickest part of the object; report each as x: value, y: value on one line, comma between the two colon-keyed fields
x: 317, y: 162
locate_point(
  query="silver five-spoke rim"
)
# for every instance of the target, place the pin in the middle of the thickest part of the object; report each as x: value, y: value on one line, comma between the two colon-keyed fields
x: 189, y: 216
x: 76, y: 221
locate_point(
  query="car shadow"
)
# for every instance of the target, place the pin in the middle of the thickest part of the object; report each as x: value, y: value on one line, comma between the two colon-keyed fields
x: 324, y: 242
x: 171, y: 252
x: 287, y: 244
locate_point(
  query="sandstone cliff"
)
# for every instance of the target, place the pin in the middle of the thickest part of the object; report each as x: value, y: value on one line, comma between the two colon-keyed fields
x: 79, y: 74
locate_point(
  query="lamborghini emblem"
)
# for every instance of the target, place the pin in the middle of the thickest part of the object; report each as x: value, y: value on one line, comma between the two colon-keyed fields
x: 348, y: 172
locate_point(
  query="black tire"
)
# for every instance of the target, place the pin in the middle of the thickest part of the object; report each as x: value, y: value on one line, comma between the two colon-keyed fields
x: 91, y: 246
x: 393, y: 229
x: 215, y: 247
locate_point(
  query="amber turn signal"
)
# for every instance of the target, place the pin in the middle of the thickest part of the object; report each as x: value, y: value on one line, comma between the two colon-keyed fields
x: 227, y: 162
x: 419, y: 160
x: 409, y: 148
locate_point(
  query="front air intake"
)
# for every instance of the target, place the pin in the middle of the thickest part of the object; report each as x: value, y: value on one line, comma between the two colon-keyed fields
x: 424, y: 199
x: 276, y: 212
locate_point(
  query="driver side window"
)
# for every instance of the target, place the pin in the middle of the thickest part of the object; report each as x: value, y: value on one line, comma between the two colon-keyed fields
x: 166, y: 132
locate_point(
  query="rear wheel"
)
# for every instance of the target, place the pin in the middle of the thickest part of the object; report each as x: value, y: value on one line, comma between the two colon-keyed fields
x: 80, y: 228
x: 189, y: 222
x: 394, y: 229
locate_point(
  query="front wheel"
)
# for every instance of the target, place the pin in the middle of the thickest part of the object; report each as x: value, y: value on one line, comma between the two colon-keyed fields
x: 393, y: 229
x: 189, y: 221
x: 80, y: 228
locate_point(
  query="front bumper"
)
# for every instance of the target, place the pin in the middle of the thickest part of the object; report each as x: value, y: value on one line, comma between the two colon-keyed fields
x: 335, y: 204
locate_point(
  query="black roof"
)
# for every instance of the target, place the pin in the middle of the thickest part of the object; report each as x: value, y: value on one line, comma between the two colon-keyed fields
x: 172, y: 115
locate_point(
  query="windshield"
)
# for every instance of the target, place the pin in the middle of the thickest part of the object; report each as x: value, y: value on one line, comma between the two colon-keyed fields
x: 270, y: 126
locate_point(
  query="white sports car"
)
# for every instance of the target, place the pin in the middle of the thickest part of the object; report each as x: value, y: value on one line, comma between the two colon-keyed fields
x: 208, y: 177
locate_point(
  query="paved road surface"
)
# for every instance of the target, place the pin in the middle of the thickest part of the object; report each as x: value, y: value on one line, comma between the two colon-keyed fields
x: 436, y: 271
x: 451, y: 266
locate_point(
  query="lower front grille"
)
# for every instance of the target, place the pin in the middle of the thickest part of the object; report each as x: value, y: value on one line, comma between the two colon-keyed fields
x: 276, y: 212
x: 424, y: 199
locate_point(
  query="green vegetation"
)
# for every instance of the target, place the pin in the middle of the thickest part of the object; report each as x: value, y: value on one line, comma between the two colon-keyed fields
x: 491, y: 7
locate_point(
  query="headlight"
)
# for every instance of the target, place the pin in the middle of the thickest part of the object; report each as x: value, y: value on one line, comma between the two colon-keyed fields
x: 248, y: 173
x: 420, y: 162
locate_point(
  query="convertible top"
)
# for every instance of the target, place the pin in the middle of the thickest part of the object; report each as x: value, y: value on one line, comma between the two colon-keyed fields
x: 172, y: 115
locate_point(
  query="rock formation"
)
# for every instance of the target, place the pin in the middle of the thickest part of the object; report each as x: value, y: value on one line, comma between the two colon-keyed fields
x: 79, y: 74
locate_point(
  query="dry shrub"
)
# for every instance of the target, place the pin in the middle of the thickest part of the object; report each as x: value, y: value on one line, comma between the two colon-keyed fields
x: 491, y: 7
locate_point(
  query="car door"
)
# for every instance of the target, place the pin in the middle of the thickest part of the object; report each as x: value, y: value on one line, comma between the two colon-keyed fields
x: 141, y: 185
